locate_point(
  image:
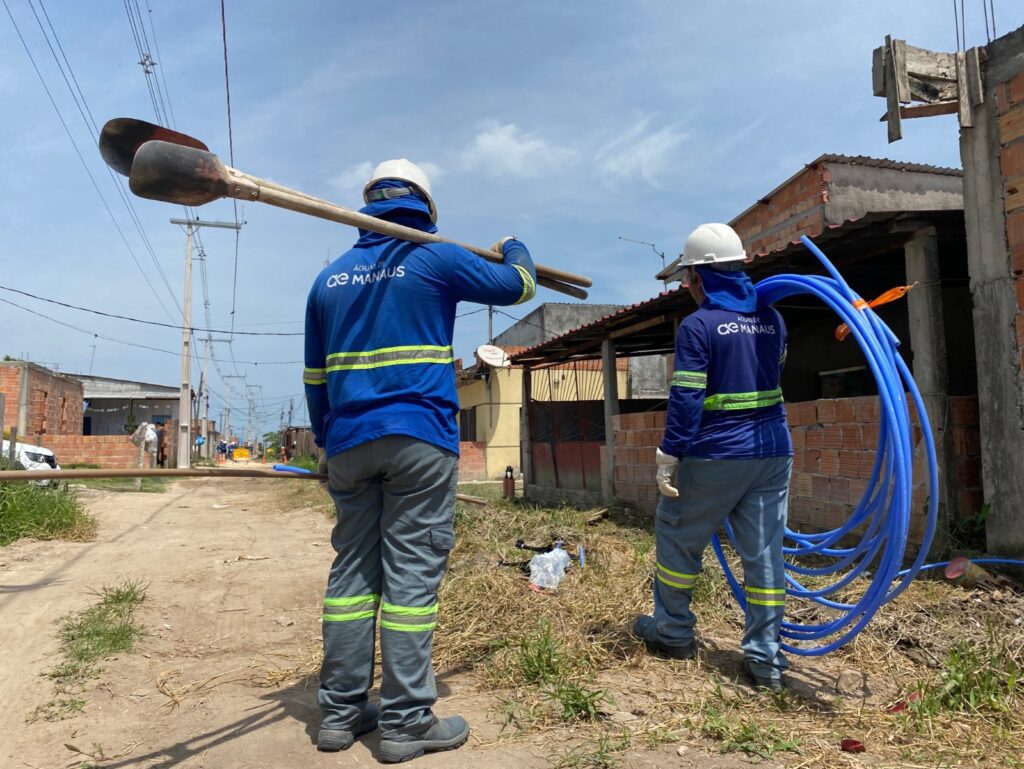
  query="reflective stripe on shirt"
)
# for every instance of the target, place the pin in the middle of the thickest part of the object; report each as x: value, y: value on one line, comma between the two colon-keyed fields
x: 389, y: 356
x: 698, y: 380
x: 735, y: 401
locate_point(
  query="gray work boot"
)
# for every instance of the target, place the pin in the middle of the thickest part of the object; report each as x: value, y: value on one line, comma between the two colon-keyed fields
x: 771, y: 683
x: 333, y: 740
x: 646, y: 629
x: 446, y: 734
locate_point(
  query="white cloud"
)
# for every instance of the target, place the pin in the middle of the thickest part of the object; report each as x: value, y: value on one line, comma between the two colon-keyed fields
x: 503, y: 149
x: 639, y: 152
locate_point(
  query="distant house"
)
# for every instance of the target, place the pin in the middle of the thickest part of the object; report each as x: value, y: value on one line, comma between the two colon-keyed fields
x: 118, y: 406
x: 490, y: 398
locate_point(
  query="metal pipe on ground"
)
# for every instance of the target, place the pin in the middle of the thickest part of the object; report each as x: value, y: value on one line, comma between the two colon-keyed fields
x: 174, y: 472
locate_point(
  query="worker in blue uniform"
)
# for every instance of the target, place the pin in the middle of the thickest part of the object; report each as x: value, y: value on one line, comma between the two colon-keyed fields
x: 728, y: 445
x: 380, y: 386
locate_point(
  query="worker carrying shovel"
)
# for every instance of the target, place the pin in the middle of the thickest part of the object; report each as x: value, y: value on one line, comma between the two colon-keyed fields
x: 728, y: 444
x: 380, y: 387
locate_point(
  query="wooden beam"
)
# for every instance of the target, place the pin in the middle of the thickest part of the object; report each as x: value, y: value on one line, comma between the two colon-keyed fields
x: 891, y: 96
x: 634, y: 328
x: 899, y: 69
x: 878, y: 71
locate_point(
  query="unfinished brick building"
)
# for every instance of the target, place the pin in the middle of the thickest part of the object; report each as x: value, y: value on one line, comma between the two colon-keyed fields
x: 39, y: 401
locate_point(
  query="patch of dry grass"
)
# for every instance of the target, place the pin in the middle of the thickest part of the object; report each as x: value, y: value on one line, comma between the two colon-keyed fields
x: 565, y: 665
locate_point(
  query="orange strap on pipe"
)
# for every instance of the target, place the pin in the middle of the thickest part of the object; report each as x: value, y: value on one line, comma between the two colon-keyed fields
x: 843, y: 330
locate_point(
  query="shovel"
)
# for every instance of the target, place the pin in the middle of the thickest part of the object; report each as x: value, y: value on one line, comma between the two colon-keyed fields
x: 172, y: 167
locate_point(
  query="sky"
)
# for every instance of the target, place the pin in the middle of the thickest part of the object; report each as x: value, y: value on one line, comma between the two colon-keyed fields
x: 573, y: 125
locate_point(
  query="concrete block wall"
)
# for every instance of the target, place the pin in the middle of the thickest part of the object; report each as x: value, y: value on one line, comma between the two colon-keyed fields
x: 107, y: 451
x: 472, y: 461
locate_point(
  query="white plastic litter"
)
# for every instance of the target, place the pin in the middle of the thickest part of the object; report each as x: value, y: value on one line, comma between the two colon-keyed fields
x: 548, y: 569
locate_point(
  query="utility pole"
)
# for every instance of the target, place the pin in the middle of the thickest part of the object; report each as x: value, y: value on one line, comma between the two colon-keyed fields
x: 654, y: 248
x: 185, y: 396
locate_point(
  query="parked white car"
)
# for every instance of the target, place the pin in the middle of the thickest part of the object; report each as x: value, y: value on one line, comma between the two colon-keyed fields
x: 32, y: 457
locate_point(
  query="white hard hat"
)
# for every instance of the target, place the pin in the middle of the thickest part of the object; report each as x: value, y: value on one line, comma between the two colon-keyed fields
x: 715, y: 245
x: 404, y: 171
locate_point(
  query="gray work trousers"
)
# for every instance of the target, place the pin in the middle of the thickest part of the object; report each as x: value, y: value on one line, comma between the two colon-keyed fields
x: 754, y: 494
x: 395, y: 498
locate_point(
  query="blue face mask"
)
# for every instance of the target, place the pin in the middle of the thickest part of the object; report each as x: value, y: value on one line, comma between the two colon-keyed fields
x: 408, y: 210
x: 728, y: 290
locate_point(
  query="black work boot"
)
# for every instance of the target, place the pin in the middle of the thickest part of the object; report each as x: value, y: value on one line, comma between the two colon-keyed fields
x: 333, y: 740
x: 646, y: 630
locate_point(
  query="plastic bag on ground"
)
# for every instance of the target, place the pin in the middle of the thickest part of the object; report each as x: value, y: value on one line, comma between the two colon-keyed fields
x: 548, y: 569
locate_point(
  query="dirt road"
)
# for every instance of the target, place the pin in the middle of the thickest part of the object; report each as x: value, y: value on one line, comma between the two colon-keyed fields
x: 235, y: 585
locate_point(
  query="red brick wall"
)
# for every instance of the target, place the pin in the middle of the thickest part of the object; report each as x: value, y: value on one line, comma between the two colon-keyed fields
x: 107, y: 451
x: 54, y: 401
x: 10, y: 386
x: 794, y: 210
x: 1010, y: 107
x: 54, y: 404
x: 472, y: 465
x: 833, y: 453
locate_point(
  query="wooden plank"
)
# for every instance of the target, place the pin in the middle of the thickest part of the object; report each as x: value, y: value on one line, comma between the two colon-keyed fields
x: 975, y: 89
x: 964, y: 112
x: 929, y: 110
x: 634, y: 328
x: 891, y: 100
x: 925, y: 63
x: 899, y: 68
x: 931, y: 89
x: 878, y: 71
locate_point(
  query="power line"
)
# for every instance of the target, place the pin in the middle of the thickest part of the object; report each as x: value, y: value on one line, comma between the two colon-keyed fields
x: 231, y: 153
x: 81, y: 159
x: 176, y: 354
x: 161, y: 324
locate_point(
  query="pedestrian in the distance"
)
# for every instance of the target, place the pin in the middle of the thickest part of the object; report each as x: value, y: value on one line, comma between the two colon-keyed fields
x: 380, y: 386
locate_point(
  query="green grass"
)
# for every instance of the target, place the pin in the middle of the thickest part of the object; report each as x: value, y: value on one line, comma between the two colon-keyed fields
x: 578, y: 702
x: 539, y: 657
x: 29, y: 510
x: 106, y: 628
x: 148, y: 485
x: 983, y: 679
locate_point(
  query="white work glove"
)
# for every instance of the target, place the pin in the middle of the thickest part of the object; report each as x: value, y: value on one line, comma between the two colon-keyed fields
x: 322, y: 469
x: 666, y: 466
x: 500, y: 245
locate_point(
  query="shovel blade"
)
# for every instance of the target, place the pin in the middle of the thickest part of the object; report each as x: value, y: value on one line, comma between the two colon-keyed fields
x: 121, y: 138
x: 172, y: 173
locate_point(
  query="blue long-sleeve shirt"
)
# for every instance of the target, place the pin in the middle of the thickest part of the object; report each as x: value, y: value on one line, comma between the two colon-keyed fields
x: 379, y: 326
x: 725, y: 401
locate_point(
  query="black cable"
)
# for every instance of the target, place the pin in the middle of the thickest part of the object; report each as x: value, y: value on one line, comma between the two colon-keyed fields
x: 145, y: 322
x: 176, y: 354
x: 81, y: 159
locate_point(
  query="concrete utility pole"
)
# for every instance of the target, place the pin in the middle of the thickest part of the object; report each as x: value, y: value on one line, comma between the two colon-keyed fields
x: 204, y: 395
x: 185, y: 396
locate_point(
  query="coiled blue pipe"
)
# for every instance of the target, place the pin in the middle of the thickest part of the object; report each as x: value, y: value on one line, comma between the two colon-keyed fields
x: 884, y: 511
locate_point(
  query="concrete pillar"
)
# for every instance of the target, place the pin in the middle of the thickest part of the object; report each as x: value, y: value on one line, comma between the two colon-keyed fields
x: 1000, y: 378
x: 611, y: 409
x: 928, y: 342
